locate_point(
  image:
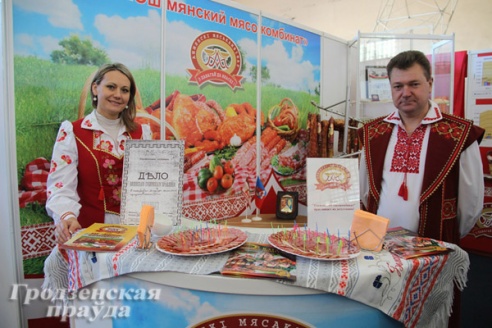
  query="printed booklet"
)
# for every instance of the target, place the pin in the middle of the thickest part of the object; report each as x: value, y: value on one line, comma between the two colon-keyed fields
x: 261, y: 261
x: 101, y: 237
x: 412, y: 246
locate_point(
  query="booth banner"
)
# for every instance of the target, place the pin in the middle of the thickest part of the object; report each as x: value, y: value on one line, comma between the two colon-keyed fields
x: 333, y: 193
x: 232, y: 134
x: 212, y: 71
x: 52, y: 75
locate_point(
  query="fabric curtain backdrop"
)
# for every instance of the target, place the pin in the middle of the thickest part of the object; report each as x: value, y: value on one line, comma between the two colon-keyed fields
x: 460, y: 73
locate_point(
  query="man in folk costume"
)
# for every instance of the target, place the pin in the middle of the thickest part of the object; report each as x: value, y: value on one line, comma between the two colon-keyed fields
x: 421, y: 168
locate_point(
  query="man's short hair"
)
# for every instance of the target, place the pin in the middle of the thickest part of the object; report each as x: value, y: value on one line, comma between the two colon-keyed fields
x: 406, y: 59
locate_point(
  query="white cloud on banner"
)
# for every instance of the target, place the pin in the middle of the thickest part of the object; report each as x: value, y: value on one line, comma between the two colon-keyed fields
x: 288, y: 70
x: 179, y: 36
x: 189, y: 304
x: 250, y: 50
x: 49, y: 43
x: 24, y: 44
x: 31, y: 45
x: 206, y: 310
x: 60, y: 13
x: 134, y: 41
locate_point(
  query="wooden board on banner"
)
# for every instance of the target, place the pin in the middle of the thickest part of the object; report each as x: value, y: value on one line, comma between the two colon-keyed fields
x: 332, y: 193
x: 268, y: 221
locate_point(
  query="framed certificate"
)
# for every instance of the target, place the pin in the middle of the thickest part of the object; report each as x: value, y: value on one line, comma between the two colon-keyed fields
x: 332, y: 193
x: 287, y: 205
x: 378, y: 85
x: 152, y: 175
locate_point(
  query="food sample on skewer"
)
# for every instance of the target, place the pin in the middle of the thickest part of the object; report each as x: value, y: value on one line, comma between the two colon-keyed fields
x: 314, y: 244
x: 202, y: 241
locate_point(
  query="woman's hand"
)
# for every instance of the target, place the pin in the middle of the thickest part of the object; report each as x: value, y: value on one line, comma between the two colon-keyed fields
x: 65, y: 228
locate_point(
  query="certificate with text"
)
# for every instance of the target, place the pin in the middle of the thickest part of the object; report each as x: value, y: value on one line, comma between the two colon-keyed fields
x: 332, y: 193
x: 152, y: 175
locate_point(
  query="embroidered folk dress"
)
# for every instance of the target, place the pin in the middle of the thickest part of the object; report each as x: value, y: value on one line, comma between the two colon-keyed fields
x: 86, y: 171
x: 434, y: 190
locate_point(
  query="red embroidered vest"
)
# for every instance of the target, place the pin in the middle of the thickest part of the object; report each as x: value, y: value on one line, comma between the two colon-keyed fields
x: 99, y: 176
x: 439, y: 196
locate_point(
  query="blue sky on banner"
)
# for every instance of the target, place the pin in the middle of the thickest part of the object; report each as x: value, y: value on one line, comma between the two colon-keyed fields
x: 130, y: 33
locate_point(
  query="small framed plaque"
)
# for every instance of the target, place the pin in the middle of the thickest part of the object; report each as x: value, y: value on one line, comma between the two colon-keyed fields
x: 287, y: 205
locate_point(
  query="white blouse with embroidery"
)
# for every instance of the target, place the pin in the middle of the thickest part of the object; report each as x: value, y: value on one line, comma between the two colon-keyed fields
x: 62, y: 179
x: 400, y: 164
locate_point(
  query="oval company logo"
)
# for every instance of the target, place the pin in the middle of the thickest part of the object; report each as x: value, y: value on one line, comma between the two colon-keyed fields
x: 216, y: 59
x: 249, y: 320
x: 333, y: 176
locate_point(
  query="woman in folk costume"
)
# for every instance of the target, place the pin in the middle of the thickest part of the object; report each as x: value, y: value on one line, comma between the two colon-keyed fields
x: 421, y: 168
x: 84, y: 183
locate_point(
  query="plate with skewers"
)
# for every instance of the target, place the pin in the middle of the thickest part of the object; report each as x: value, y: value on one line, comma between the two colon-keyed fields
x: 204, y: 241
x: 314, y: 245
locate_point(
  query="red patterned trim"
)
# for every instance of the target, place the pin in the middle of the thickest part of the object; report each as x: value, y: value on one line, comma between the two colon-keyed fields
x: 458, y: 127
x: 37, y: 240
x: 219, y: 209
x: 437, y: 116
x: 344, y: 278
x: 74, y: 281
x: 122, y: 251
x: 449, y: 130
x: 376, y: 130
x: 373, y: 130
x: 431, y: 263
x: 449, y: 209
x: 393, y: 116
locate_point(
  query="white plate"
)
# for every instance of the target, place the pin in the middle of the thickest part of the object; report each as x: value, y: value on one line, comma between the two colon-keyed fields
x: 207, y: 251
x: 323, y: 256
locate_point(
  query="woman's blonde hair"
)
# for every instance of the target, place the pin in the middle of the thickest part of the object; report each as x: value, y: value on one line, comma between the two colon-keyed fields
x: 128, y: 114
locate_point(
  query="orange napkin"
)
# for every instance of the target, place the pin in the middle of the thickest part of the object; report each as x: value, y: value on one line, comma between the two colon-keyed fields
x: 145, y: 225
x: 369, y: 230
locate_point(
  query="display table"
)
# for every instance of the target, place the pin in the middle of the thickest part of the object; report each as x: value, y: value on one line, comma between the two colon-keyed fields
x: 414, y: 292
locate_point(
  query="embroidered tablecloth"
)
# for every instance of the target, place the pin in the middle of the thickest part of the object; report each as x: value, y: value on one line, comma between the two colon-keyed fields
x: 416, y: 292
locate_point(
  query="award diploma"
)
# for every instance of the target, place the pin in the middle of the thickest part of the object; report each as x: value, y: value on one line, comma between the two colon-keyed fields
x: 152, y: 175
